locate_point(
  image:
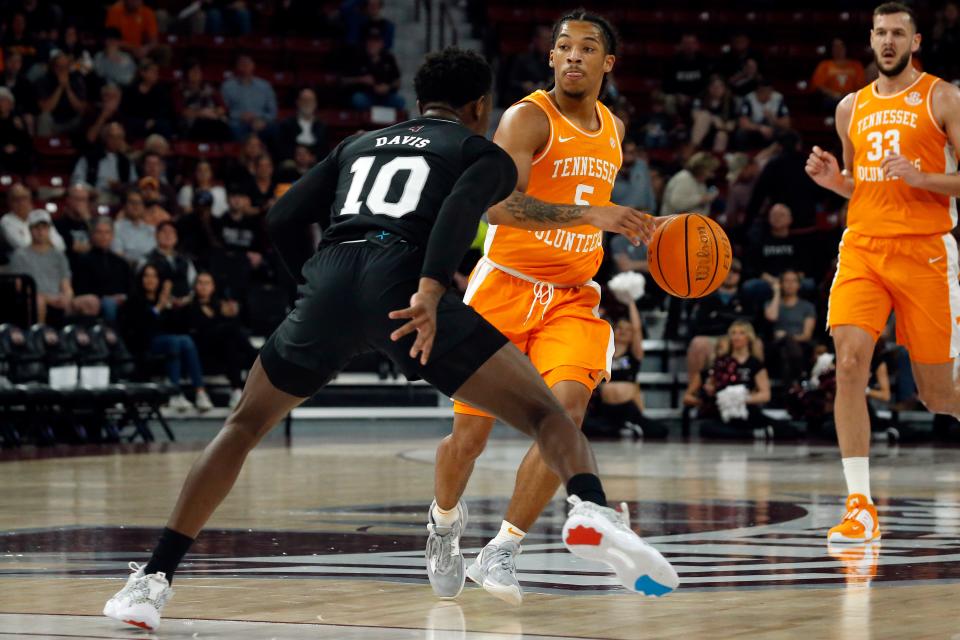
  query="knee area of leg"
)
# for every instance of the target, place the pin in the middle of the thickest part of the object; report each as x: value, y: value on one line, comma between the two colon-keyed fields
x: 852, y: 367
x: 469, y: 447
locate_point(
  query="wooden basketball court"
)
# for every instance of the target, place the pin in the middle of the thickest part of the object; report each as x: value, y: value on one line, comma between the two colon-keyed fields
x: 323, y: 538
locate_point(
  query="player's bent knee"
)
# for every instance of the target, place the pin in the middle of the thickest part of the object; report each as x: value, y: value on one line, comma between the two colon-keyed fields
x: 852, y: 369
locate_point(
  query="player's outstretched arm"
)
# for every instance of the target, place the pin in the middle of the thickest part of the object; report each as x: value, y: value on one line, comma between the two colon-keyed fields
x: 946, y: 109
x: 822, y: 166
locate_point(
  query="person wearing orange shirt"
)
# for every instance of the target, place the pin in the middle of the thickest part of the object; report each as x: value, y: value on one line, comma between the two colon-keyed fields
x: 838, y: 76
x: 137, y: 25
x: 535, y: 285
x: 899, y: 138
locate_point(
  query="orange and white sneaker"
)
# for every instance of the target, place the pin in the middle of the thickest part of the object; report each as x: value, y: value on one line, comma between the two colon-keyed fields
x: 860, y: 523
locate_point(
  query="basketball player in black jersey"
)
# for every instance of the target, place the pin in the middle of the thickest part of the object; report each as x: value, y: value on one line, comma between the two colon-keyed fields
x: 400, y: 207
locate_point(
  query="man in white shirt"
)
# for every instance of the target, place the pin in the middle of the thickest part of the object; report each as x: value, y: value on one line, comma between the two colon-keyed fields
x: 16, y: 231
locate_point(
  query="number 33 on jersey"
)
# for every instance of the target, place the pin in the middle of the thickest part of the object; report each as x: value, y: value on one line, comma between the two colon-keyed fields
x: 901, y: 124
x: 575, y: 167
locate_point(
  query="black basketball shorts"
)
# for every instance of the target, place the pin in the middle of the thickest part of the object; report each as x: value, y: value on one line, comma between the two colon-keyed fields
x: 342, y: 312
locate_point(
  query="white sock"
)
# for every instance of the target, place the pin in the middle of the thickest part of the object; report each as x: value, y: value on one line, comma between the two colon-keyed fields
x: 508, y: 533
x: 446, y: 518
x: 857, y: 473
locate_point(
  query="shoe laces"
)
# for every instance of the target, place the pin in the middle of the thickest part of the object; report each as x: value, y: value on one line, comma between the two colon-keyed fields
x: 503, y: 556
x: 621, y: 519
x: 449, y: 547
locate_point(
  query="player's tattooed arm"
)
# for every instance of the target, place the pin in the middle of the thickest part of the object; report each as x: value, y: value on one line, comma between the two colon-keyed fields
x: 532, y: 214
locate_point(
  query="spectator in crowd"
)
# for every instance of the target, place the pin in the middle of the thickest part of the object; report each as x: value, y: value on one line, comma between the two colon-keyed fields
x: 196, y: 229
x: 775, y: 251
x: 738, y: 65
x: 227, y: 17
x: 137, y: 25
x: 250, y: 101
x: 621, y: 400
x: 105, y: 112
x: 24, y: 93
x: 200, y: 106
x: 62, y: 96
x: 792, y: 320
x: 74, y: 225
x: 687, y: 191
x: 781, y: 180
x: 262, y: 188
x: 687, y: 72
x: 107, y: 167
x: 241, y: 230
x: 203, y: 180
x: 133, y: 237
x: 215, y: 326
x: 658, y: 127
x: 633, y: 187
x: 530, y: 70
x: 154, y: 166
x: 303, y: 128
x: 942, y: 48
x: 147, y: 107
x: 742, y: 173
x: 304, y: 157
x: 153, y: 211
x: 151, y: 327
x: 711, y: 316
x: 714, y: 116
x: 20, y: 39
x: 762, y: 114
x: 113, y: 64
x: 739, y: 362
x: 101, y: 272
x: 16, y: 145
x: 15, y: 225
x: 50, y: 271
x: 837, y: 76
x: 172, y: 265
x: 360, y: 16
x: 43, y: 17
x: 374, y: 77
x: 240, y: 170
x: 71, y: 45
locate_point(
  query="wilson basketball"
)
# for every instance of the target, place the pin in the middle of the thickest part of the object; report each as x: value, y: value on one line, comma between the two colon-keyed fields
x: 689, y: 256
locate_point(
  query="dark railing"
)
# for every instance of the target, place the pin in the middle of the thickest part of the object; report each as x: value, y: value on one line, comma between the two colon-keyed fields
x: 446, y: 20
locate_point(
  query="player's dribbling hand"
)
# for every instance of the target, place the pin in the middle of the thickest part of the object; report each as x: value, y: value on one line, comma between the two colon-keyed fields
x: 422, y: 316
x: 823, y: 168
x: 636, y: 226
x: 896, y: 166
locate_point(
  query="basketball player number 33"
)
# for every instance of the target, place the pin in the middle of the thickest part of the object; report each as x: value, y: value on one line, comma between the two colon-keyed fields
x: 417, y: 172
x: 876, y: 140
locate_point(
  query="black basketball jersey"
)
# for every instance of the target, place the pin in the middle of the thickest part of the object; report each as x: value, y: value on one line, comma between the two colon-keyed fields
x: 404, y: 180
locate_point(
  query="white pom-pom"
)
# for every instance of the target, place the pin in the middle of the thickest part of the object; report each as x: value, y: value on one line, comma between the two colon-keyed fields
x: 628, y: 286
x: 823, y: 364
x: 732, y: 402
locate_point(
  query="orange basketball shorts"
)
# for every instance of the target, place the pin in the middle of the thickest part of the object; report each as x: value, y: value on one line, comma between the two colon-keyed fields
x: 564, y: 337
x: 914, y: 276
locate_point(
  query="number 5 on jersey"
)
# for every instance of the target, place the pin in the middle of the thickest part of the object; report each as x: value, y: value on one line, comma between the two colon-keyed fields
x: 376, y: 198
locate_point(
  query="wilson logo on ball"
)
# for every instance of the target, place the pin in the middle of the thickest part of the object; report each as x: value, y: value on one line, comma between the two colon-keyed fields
x: 689, y: 256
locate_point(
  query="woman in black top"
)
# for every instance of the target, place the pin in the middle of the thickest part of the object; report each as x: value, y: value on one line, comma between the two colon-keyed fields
x: 224, y: 342
x: 621, y: 401
x: 150, y: 326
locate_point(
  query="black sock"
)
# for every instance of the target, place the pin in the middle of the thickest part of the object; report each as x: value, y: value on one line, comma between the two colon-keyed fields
x: 587, y: 487
x: 170, y: 549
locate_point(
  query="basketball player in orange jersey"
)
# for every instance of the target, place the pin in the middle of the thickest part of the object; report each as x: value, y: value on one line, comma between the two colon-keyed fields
x: 899, y: 139
x: 534, y: 284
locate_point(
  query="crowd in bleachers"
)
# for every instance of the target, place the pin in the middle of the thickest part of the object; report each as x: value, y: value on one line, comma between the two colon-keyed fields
x: 141, y: 145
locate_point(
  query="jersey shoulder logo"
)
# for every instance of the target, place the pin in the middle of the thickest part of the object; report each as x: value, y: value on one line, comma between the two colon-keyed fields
x: 416, y: 128
x: 913, y: 98
x: 562, y: 139
x: 613, y: 144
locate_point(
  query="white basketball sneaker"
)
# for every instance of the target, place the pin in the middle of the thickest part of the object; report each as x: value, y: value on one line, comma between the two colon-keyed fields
x: 601, y: 534
x: 141, y: 600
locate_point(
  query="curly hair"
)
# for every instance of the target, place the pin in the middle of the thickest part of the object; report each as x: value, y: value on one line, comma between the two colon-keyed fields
x: 610, y: 37
x: 454, y: 77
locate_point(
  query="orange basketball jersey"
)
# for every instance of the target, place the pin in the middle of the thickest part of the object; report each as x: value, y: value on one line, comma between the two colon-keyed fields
x: 575, y: 167
x: 903, y: 123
